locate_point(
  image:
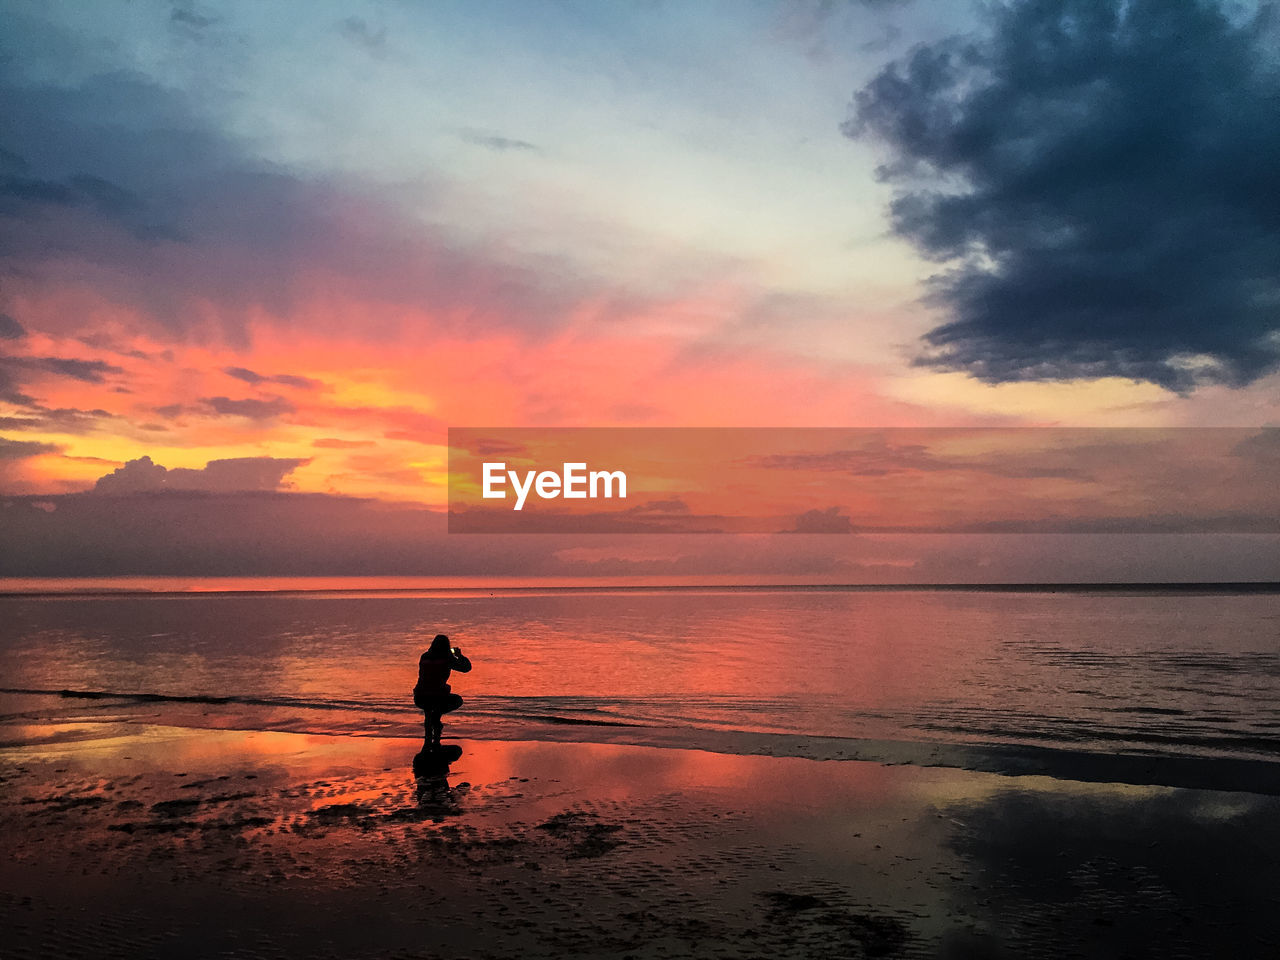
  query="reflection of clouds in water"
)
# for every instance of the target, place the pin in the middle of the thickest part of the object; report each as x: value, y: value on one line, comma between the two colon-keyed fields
x: 1119, y: 871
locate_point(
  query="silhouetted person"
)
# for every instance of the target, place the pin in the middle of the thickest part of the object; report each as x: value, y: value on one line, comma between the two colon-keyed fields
x: 433, y: 694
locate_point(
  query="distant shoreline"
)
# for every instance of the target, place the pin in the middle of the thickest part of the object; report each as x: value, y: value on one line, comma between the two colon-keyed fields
x: 107, y: 591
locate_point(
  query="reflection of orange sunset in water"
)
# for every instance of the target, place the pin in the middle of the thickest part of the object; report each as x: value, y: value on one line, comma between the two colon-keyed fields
x: 798, y: 672
x: 607, y: 772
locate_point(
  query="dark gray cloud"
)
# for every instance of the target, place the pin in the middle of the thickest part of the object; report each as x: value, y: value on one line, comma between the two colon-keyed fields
x: 251, y: 407
x: 369, y: 39
x: 63, y: 158
x: 36, y: 416
x: 9, y: 391
x: 17, y: 192
x: 830, y: 520
x: 131, y: 184
x: 87, y: 371
x: 243, y: 373
x: 21, y: 449
x: 191, y: 19
x: 292, y: 380
x: 672, y: 505
x: 492, y: 141
x: 239, y: 474
x: 881, y: 457
x: 1101, y: 179
x: 875, y: 458
x: 494, y: 447
x: 16, y: 372
x: 11, y: 329
x: 286, y: 379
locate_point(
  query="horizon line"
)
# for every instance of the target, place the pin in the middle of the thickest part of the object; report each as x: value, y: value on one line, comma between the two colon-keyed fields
x: 495, y: 587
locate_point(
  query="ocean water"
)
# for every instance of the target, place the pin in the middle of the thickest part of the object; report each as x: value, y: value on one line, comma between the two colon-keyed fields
x: 1178, y: 673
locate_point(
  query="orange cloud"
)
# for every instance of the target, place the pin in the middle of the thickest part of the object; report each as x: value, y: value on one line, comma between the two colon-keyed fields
x: 294, y: 386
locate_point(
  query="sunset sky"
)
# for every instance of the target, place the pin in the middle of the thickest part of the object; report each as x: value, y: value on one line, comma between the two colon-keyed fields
x: 262, y: 256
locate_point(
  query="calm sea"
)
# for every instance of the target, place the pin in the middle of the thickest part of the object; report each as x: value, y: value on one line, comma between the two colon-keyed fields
x: 1180, y: 672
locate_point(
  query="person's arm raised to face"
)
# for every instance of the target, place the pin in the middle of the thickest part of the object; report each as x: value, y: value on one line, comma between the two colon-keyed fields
x: 460, y: 663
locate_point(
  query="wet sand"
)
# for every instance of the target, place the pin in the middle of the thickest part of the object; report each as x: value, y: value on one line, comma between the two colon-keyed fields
x: 176, y: 842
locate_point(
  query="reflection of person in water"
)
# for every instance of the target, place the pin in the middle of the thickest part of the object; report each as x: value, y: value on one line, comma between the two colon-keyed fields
x: 433, y: 694
x: 436, y: 799
x: 431, y: 775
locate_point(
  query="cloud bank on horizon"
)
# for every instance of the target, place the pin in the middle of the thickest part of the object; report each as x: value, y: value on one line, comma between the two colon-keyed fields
x: 301, y: 240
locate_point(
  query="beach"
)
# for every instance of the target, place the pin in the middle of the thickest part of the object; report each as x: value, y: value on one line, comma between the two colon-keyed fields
x: 180, y: 842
